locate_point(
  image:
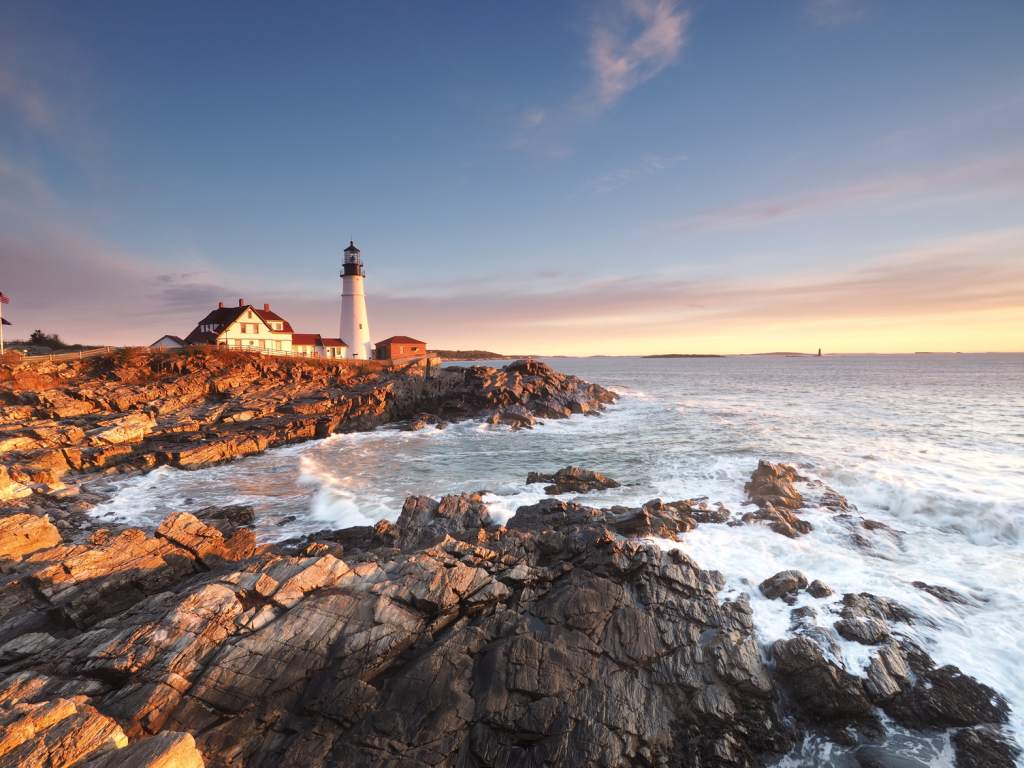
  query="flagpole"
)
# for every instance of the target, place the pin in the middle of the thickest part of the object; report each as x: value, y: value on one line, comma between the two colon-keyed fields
x: 1, y: 328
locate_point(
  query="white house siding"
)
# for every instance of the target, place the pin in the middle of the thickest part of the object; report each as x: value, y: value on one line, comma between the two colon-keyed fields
x: 251, y: 333
x: 331, y: 353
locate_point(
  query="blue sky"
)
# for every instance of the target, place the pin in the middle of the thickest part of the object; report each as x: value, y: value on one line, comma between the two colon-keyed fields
x: 620, y: 176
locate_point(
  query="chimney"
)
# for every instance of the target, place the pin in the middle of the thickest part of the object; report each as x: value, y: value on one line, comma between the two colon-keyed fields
x: 241, y: 302
x: 266, y: 307
x: 220, y: 305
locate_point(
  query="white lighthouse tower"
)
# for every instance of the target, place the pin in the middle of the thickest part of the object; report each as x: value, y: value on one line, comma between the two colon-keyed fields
x: 355, y: 328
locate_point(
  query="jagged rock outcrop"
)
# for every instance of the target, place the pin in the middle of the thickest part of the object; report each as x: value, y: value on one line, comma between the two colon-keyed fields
x: 560, y: 643
x: 23, y: 534
x: 572, y: 480
x: 66, y: 422
x: 440, y: 639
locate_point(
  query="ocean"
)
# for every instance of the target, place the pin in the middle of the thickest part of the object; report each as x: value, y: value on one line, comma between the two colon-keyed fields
x: 932, y: 445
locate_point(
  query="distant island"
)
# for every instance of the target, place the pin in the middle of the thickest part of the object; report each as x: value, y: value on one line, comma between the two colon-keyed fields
x: 675, y: 354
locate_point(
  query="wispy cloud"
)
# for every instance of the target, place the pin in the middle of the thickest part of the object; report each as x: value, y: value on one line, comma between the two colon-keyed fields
x: 26, y: 102
x: 944, y: 280
x: 966, y: 180
x: 111, y: 296
x: 650, y: 165
x: 534, y: 117
x: 637, y: 41
x: 834, y: 13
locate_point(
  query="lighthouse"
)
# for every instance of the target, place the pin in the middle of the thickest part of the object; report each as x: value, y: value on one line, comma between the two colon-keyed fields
x: 355, y: 328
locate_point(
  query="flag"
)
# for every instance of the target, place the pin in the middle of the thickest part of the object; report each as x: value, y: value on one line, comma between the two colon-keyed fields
x: 4, y: 299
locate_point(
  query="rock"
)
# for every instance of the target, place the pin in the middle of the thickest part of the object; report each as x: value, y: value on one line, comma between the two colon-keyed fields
x: 130, y: 428
x: 824, y: 691
x: 946, y: 697
x: 54, y: 734
x: 205, y: 542
x: 863, y: 629
x: 866, y: 605
x: 87, y: 583
x: 133, y: 412
x: 424, y: 522
x: 819, y: 589
x: 887, y: 674
x: 22, y: 534
x: 227, y: 519
x: 423, y: 421
x: 945, y: 594
x: 782, y: 584
x: 572, y: 480
x: 515, y: 416
x: 773, y: 484
x: 165, y: 750
x: 984, y: 748
x: 559, y: 642
x: 10, y: 488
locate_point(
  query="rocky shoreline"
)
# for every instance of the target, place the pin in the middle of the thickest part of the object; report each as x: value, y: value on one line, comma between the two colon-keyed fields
x: 66, y: 427
x: 570, y: 635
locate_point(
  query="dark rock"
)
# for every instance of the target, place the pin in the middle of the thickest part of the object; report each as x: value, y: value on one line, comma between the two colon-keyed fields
x: 424, y: 521
x: 984, y: 748
x: 422, y: 421
x: 572, y: 480
x: 866, y: 605
x: 226, y: 519
x: 887, y: 674
x: 824, y: 691
x: 863, y: 629
x: 946, y: 697
x: 782, y: 583
x: 945, y: 594
x: 819, y: 589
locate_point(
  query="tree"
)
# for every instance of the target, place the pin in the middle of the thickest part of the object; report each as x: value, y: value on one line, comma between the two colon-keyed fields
x: 51, y: 340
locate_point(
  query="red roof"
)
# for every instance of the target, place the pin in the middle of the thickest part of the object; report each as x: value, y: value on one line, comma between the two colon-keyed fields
x: 266, y: 316
x: 333, y: 343
x: 305, y: 339
x: 402, y: 340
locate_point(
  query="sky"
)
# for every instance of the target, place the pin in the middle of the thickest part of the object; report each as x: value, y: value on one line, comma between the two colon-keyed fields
x: 609, y: 177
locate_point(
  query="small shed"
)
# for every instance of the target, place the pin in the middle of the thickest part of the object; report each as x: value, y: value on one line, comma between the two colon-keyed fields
x: 332, y: 349
x: 400, y: 347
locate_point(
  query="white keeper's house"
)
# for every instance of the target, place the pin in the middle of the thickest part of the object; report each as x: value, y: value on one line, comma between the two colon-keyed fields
x: 251, y: 329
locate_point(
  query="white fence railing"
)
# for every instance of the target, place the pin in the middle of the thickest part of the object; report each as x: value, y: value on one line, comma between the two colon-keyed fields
x: 67, y: 355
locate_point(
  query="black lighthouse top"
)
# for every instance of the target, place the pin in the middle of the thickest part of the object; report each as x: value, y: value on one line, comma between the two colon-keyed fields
x: 353, y: 264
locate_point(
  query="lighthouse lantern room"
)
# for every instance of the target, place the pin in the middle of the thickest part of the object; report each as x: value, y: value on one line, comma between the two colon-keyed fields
x: 355, y: 327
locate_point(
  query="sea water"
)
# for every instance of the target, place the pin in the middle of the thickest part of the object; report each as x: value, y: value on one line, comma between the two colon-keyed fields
x: 931, y: 445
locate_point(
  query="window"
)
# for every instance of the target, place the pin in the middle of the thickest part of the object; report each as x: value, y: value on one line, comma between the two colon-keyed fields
x: 360, y: 326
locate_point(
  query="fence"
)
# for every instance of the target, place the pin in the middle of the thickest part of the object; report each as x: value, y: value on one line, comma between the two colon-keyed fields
x: 65, y: 355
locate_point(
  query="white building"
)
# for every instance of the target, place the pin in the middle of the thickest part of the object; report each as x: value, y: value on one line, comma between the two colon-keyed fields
x: 355, y: 326
x: 256, y: 330
x: 244, y: 327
